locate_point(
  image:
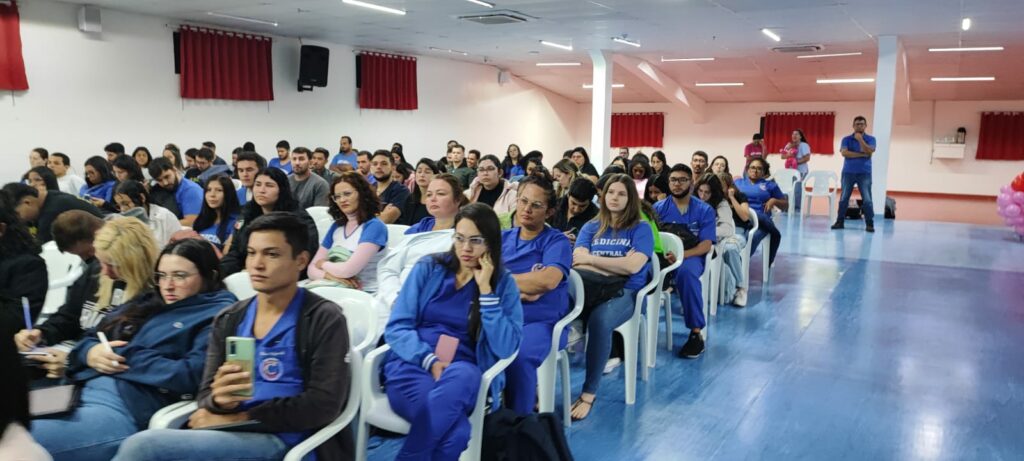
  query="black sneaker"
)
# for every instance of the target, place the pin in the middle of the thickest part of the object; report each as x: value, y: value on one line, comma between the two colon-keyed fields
x: 838, y: 225
x: 870, y: 228
x: 693, y: 348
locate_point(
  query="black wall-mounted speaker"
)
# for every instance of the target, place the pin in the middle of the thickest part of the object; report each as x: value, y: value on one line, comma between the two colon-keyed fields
x: 313, y: 62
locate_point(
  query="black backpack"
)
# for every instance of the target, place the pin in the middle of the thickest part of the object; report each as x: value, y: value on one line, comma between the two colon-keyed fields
x: 535, y: 437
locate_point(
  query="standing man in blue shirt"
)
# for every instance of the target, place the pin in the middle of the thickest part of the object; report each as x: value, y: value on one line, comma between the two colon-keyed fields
x: 857, y: 150
x: 346, y: 154
x: 283, y: 161
x: 187, y: 194
x: 699, y: 218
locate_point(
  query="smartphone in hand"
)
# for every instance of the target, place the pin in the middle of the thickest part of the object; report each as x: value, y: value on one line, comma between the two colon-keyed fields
x: 241, y: 351
x: 446, y: 347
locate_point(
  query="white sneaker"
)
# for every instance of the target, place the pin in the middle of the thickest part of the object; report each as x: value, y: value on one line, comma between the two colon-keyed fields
x: 741, y: 297
x: 612, y: 364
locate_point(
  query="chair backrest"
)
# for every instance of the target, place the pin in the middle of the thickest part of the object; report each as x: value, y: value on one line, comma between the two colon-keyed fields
x: 821, y: 181
x: 396, y: 234
x: 59, y: 265
x: 786, y: 178
x: 240, y: 285
x: 322, y: 218
x: 360, y: 309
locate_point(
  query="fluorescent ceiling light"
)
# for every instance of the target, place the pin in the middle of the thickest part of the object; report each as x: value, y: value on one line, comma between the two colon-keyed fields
x: 449, y: 50
x: 845, y: 80
x: 242, y: 18
x: 720, y: 84
x: 664, y: 59
x: 969, y: 48
x: 626, y: 41
x: 614, y: 85
x: 965, y: 24
x: 558, y: 64
x: 771, y: 35
x: 482, y: 3
x: 963, y: 79
x: 556, y: 45
x: 375, y: 7
x: 833, y: 55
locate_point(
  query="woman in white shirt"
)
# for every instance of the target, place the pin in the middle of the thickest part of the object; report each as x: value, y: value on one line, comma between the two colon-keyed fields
x: 709, y: 188
x: 132, y: 194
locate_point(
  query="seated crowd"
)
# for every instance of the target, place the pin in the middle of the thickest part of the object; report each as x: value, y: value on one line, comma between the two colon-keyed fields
x: 481, y: 274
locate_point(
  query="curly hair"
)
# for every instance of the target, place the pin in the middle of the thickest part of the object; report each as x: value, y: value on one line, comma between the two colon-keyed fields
x: 369, y: 204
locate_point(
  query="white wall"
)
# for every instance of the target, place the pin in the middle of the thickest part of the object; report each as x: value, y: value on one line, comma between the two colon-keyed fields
x: 730, y: 126
x: 86, y: 91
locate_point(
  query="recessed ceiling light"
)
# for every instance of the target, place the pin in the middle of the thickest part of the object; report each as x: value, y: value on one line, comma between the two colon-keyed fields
x: 241, y: 18
x: 771, y: 35
x: 968, y: 48
x: 625, y: 41
x: 482, y: 3
x: 372, y: 6
x: 664, y: 59
x: 558, y: 64
x: 614, y: 85
x: 965, y: 24
x: 963, y: 79
x: 720, y: 84
x: 556, y: 45
x: 833, y: 55
x: 845, y: 80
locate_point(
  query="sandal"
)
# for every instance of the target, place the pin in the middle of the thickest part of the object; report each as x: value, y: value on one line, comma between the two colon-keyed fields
x: 579, y: 401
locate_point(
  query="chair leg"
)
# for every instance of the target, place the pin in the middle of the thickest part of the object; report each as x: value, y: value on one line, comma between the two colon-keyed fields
x: 716, y: 275
x: 546, y: 383
x: 630, y: 341
x: 563, y: 364
x: 667, y: 302
x: 766, y: 260
x: 642, y: 355
x: 362, y: 436
x: 652, y: 317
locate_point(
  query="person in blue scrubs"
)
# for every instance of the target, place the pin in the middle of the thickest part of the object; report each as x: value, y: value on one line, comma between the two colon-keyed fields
x: 468, y: 296
x: 620, y: 243
x: 216, y: 221
x: 539, y: 257
x: 857, y: 150
x: 99, y: 184
x: 187, y: 194
x: 283, y: 161
x: 444, y: 200
x: 684, y: 209
x: 346, y: 154
x: 763, y: 195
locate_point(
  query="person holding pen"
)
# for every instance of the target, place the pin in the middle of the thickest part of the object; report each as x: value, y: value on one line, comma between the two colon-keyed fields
x: 22, y: 270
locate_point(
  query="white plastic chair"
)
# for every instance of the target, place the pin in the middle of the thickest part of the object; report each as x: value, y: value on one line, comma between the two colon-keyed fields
x: 821, y: 183
x: 240, y: 285
x: 559, y: 358
x: 62, y: 270
x: 175, y: 415
x: 376, y: 410
x: 396, y: 234
x: 322, y: 218
x: 670, y: 243
x: 707, y: 280
x: 787, y: 179
x: 360, y: 309
x: 746, y: 253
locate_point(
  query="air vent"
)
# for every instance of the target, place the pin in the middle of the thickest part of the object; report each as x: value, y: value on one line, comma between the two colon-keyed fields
x: 498, y: 17
x: 798, y: 49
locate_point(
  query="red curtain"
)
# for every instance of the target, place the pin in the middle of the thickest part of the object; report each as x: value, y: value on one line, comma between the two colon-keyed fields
x: 225, y: 65
x: 819, y: 129
x: 638, y: 130
x: 12, y: 65
x: 387, y: 82
x: 1000, y: 136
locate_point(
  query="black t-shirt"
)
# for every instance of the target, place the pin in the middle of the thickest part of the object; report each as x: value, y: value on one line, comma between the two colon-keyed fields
x: 588, y: 169
x: 741, y: 198
x: 490, y: 196
x: 395, y: 194
x: 413, y: 211
x: 56, y: 203
x: 561, y: 222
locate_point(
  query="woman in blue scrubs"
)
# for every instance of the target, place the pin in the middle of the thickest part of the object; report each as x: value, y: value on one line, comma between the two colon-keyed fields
x: 763, y: 195
x: 216, y: 220
x: 539, y: 258
x: 444, y: 198
x: 465, y: 294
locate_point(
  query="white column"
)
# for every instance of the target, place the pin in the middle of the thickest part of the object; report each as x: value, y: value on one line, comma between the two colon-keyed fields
x: 881, y: 124
x: 601, y: 109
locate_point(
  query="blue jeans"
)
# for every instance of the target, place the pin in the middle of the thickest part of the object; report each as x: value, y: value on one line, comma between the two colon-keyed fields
x: 766, y: 227
x: 863, y: 183
x: 93, y: 431
x: 602, y: 323
x: 188, y: 444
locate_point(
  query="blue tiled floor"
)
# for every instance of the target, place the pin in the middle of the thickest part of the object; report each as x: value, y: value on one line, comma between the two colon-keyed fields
x: 904, y: 344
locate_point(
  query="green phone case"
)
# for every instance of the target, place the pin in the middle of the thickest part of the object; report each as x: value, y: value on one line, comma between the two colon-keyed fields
x: 241, y: 351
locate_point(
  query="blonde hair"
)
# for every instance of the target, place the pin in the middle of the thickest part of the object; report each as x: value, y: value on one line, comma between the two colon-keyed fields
x: 630, y: 216
x: 568, y: 167
x: 129, y: 245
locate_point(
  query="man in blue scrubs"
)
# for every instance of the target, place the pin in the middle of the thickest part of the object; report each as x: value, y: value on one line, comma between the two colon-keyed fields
x: 187, y: 194
x: 857, y: 150
x: 699, y: 218
x: 283, y: 161
x: 346, y: 154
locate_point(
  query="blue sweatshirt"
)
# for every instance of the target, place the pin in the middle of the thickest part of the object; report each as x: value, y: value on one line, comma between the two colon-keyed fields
x: 501, y: 319
x: 165, y: 358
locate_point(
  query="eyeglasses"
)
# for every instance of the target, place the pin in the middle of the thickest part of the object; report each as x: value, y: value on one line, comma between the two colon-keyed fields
x: 535, y: 206
x: 475, y: 242
x: 755, y: 168
x: 487, y: 169
x: 176, y: 277
x: 342, y: 195
x: 679, y: 180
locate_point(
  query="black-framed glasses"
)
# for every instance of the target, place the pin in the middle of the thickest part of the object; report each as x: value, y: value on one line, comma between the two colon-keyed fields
x: 486, y: 169
x: 679, y: 180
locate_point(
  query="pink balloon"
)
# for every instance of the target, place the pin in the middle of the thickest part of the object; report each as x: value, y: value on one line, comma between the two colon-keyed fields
x: 1018, y: 198
x: 1004, y: 199
x: 1011, y: 210
x: 1015, y: 221
x: 1006, y: 189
